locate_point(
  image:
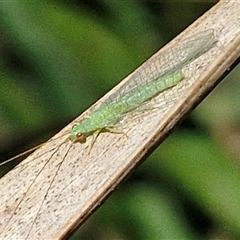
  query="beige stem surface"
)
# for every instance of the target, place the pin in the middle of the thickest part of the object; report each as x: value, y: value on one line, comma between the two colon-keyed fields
x: 59, y: 186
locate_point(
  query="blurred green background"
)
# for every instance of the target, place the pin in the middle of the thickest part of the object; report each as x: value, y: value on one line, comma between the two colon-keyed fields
x: 58, y: 57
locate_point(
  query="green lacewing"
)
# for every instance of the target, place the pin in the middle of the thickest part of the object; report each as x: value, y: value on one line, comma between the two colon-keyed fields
x: 161, y: 73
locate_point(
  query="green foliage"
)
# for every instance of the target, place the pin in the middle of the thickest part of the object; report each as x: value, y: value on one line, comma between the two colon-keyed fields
x: 58, y: 57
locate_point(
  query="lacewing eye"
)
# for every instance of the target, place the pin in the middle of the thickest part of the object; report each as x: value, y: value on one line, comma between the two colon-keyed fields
x: 79, y: 135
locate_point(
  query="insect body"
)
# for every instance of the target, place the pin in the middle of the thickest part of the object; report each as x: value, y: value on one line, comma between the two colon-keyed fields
x: 110, y: 113
x: 162, y: 72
